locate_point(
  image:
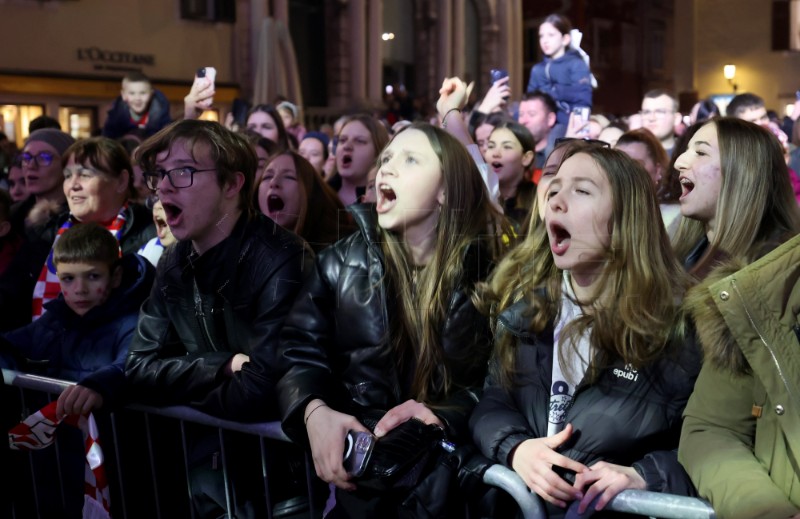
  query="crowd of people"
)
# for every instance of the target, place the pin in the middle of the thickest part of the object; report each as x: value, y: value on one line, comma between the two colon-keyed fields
x: 600, y: 303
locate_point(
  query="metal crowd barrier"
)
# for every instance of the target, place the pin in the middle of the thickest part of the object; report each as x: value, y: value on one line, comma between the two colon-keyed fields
x: 639, y: 502
x: 161, y: 493
x: 630, y: 501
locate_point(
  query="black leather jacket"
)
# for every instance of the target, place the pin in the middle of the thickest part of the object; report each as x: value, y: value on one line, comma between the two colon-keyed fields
x: 335, y: 343
x: 626, y: 417
x: 190, y: 328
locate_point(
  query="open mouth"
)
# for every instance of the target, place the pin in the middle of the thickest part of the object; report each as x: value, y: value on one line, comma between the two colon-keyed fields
x: 686, y: 186
x: 275, y: 203
x: 559, y: 238
x: 347, y: 160
x: 497, y: 166
x: 172, y: 212
x: 161, y: 227
x: 386, y: 198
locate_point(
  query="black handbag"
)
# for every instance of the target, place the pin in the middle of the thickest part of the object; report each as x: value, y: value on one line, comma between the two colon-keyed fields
x: 403, y: 456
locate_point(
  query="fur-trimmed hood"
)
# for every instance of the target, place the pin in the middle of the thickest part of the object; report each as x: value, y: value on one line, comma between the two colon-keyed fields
x: 719, y: 343
x: 738, y: 307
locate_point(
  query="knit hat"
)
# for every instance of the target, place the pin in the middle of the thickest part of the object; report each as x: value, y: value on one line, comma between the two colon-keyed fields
x: 319, y: 136
x: 55, y: 138
x: 286, y: 105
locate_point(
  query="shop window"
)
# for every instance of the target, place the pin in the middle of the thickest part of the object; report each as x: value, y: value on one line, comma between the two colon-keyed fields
x: 14, y: 120
x: 78, y: 121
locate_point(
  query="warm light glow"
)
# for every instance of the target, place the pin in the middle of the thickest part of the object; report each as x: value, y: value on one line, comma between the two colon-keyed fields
x: 210, y: 115
x: 729, y: 71
x: 789, y: 110
x: 387, y: 36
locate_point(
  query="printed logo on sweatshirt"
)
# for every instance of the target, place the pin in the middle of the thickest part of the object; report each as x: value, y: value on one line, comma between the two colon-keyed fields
x: 627, y: 373
x: 560, y: 402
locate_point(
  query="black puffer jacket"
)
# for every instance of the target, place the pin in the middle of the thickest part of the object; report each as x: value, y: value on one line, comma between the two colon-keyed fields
x: 626, y: 417
x: 190, y: 327
x: 336, y: 344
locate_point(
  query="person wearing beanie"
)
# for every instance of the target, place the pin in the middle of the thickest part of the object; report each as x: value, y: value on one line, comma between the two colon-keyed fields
x: 314, y: 148
x: 36, y: 220
x: 41, y: 162
x: 291, y: 120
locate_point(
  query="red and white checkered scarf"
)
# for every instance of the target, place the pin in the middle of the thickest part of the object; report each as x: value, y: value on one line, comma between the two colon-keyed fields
x: 39, y: 430
x: 47, y: 287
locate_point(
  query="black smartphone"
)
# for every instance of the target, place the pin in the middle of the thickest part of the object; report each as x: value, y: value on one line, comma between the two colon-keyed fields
x: 497, y: 74
x: 357, y: 451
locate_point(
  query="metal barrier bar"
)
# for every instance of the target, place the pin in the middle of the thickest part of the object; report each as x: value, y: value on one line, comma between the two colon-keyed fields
x: 664, y: 506
x: 639, y: 502
x: 529, y: 503
x: 652, y: 504
x: 262, y: 432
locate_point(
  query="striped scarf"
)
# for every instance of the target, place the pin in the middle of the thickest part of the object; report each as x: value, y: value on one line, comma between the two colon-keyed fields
x: 38, y: 431
x: 47, y: 287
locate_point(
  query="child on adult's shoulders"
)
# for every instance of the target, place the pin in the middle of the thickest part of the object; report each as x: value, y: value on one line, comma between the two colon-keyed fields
x: 85, y: 333
x: 138, y: 106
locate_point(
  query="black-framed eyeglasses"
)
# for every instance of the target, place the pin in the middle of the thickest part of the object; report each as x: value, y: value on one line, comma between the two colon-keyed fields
x: 43, y: 158
x: 178, y: 177
x: 596, y: 142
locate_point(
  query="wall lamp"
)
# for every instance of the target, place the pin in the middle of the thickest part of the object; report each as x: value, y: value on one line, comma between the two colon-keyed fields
x: 729, y: 71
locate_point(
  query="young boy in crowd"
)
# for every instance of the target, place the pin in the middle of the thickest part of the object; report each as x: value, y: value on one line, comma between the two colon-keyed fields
x: 83, y: 337
x: 139, y: 108
x: 85, y: 333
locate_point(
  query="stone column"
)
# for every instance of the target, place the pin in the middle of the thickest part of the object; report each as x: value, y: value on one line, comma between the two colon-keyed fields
x: 358, y: 31
x: 280, y: 11
x: 444, y: 28
x: 375, y: 52
x: 457, y: 42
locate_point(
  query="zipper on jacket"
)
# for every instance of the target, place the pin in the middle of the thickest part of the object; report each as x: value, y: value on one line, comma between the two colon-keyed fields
x: 201, y: 317
x: 764, y: 341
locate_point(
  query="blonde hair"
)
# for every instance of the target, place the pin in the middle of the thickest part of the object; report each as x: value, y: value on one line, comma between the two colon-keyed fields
x: 423, y: 295
x: 637, y: 314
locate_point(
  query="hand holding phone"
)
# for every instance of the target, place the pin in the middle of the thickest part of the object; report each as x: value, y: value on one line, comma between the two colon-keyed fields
x: 581, y: 115
x: 357, y: 451
x: 495, y: 75
x: 205, y: 90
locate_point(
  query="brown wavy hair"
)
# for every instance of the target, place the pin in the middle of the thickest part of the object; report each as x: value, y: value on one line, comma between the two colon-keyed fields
x: 638, y: 314
x: 323, y: 218
x: 423, y: 295
x: 756, y: 209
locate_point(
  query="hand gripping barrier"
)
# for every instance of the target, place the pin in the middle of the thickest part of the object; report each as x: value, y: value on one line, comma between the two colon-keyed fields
x: 640, y: 502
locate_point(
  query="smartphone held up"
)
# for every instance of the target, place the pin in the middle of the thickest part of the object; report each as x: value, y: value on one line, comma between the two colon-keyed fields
x: 495, y: 75
x: 581, y: 119
x: 203, y: 88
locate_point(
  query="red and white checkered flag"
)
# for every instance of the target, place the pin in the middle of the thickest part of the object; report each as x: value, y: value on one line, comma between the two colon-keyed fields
x: 38, y: 431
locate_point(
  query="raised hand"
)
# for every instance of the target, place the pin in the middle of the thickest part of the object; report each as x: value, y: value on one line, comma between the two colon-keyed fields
x: 496, y: 96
